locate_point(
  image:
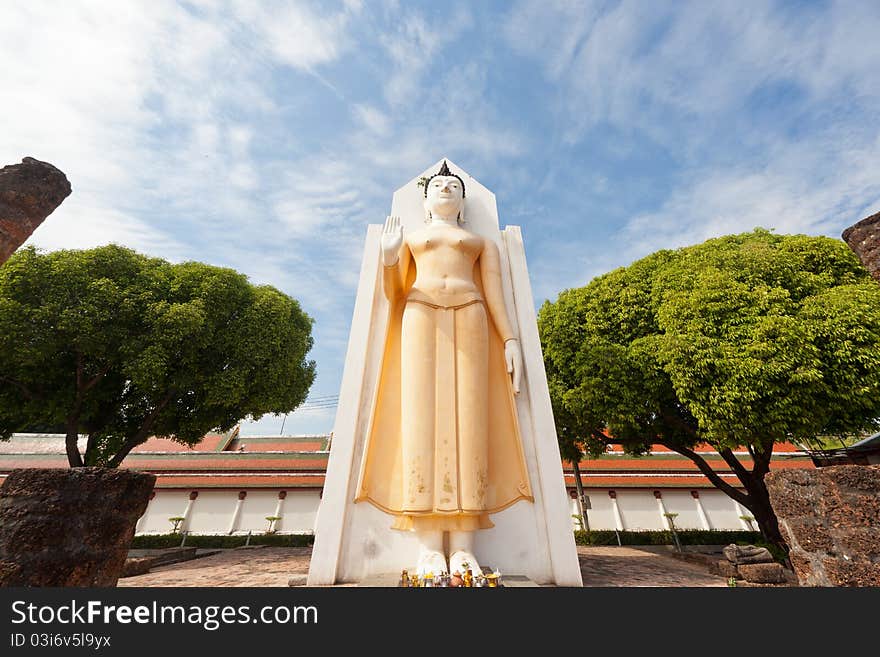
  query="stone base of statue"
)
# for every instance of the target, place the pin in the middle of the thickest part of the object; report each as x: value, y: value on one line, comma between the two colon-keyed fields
x: 354, y: 541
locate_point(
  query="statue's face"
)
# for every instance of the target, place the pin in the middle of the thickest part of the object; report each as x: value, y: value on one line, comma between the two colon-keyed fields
x: 444, y: 196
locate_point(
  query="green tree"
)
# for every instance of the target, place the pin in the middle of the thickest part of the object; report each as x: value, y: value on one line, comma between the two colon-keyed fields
x: 118, y: 346
x: 738, y: 343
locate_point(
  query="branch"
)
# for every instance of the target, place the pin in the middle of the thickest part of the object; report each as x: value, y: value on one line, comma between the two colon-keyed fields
x: 142, y: 432
x: 602, y: 438
x: 677, y: 421
x: 20, y: 386
x: 80, y: 370
x: 762, y: 458
x: 79, y: 373
x: 707, y: 470
x: 738, y: 468
x: 94, y: 380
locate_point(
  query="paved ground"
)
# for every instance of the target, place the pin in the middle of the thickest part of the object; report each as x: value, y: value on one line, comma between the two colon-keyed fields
x: 267, y: 566
x: 629, y: 566
x: 259, y: 566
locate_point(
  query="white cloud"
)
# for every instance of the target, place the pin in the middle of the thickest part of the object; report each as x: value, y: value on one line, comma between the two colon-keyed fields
x: 306, y: 421
x: 78, y: 225
x: 298, y: 35
x: 160, y: 116
x: 414, y: 47
x: 553, y: 30
x: 373, y: 119
x: 628, y: 63
x: 184, y: 127
x: 135, y: 104
x: 786, y: 195
x: 462, y: 123
x: 163, y: 118
x: 685, y: 80
x: 73, y: 96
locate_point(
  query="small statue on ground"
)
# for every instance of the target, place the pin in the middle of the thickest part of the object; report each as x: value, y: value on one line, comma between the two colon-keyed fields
x: 739, y: 554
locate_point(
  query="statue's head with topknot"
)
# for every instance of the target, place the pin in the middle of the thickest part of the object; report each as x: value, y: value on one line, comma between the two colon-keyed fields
x: 444, y: 171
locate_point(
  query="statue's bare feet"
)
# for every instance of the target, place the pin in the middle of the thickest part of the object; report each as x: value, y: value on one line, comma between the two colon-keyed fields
x: 431, y: 561
x: 461, y: 560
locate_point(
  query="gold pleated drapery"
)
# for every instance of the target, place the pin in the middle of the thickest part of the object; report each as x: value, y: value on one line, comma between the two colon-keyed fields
x: 443, y: 447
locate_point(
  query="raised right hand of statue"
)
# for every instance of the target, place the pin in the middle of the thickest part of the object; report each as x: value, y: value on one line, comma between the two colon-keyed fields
x: 392, y: 238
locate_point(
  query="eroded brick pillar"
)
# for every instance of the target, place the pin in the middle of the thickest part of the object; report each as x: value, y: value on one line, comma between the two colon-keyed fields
x: 29, y: 192
x: 830, y: 518
x: 69, y: 526
x: 864, y: 239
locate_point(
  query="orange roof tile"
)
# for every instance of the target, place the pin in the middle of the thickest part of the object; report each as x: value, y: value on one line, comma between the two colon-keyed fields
x: 301, y: 461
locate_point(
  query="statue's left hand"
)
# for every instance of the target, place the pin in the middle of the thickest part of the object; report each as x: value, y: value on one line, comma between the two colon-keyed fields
x: 513, y: 356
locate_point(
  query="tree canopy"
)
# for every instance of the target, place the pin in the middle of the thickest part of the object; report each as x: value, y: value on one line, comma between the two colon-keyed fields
x: 740, y: 342
x: 119, y: 346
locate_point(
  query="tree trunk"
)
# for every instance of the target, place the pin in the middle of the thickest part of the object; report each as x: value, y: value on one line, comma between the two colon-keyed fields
x: 580, y: 493
x: 759, y: 504
x: 74, y: 458
x: 756, y: 498
x: 142, y: 433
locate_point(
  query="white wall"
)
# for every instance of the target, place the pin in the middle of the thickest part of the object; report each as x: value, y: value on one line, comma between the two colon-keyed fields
x: 166, y: 504
x: 640, y: 511
x: 212, y: 510
x: 600, y: 516
x: 257, y: 506
x: 681, y: 502
x: 299, y: 511
x: 722, y: 510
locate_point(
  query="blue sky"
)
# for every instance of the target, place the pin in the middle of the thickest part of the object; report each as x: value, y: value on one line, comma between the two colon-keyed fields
x: 266, y: 136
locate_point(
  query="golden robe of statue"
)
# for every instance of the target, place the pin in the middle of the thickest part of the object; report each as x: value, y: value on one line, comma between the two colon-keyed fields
x: 443, y: 446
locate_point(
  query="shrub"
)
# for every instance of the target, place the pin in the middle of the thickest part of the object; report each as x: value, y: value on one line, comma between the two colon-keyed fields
x: 685, y: 536
x: 157, y: 541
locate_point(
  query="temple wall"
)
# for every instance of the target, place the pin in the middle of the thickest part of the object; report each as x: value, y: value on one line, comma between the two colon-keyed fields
x: 212, y: 511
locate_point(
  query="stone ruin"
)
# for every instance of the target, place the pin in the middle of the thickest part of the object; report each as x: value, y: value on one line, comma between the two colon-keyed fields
x: 830, y: 518
x: 746, y: 562
x: 69, y: 527
x: 864, y: 239
x: 29, y: 192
